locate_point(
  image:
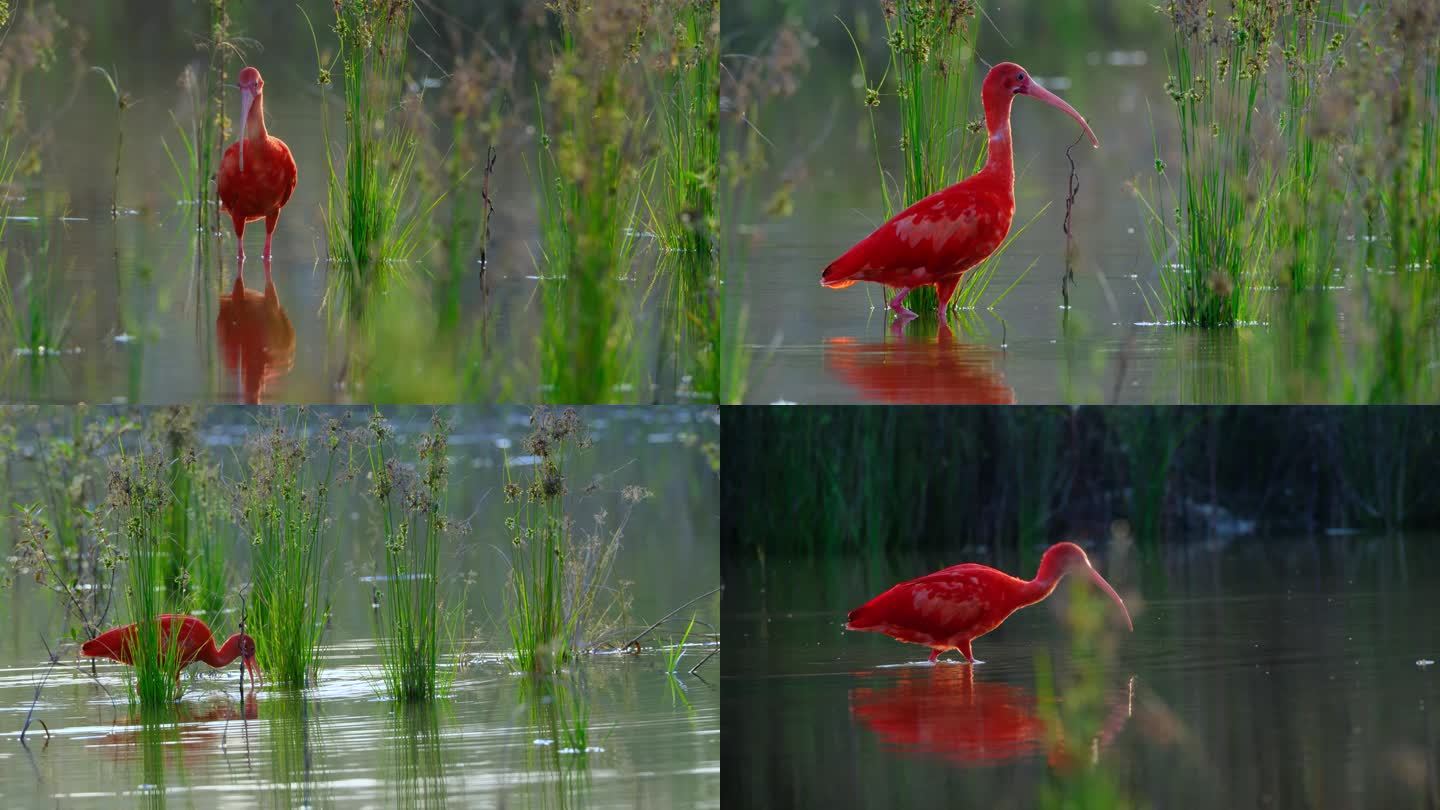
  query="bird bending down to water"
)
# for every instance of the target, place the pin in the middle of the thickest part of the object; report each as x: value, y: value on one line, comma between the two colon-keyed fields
x: 938, y: 238
x: 952, y: 607
x: 190, y: 636
x: 257, y: 173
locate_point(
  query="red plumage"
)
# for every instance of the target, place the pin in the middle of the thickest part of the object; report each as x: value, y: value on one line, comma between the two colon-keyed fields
x: 257, y: 173
x: 950, y: 608
x: 947, y: 233
x: 191, y: 638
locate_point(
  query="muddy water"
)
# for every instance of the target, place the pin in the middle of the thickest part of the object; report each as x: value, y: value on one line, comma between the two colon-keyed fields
x: 501, y: 740
x: 1267, y: 674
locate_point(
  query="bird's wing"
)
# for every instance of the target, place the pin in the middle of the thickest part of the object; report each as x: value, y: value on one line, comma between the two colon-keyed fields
x: 947, y: 230
x: 289, y: 164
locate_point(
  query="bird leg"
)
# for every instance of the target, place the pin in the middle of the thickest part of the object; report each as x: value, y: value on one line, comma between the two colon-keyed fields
x: 269, y: 282
x: 239, y: 235
x: 270, y: 220
x: 945, y: 290
x: 964, y: 648
x: 898, y: 304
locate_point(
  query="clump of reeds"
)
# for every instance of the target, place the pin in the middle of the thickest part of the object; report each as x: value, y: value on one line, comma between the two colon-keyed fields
x: 690, y: 128
x: 559, y: 591
x: 283, y: 500
x: 415, y: 624
x: 369, y: 227
x: 196, y: 524
x: 1258, y: 199
x: 932, y: 59
x: 589, y: 183
x: 139, y: 499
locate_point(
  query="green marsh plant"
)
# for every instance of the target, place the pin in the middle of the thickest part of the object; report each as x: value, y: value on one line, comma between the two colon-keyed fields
x: 369, y: 219
x: 283, y: 499
x: 690, y: 129
x: 590, y: 181
x: 140, y: 499
x: 559, y: 590
x: 415, y: 625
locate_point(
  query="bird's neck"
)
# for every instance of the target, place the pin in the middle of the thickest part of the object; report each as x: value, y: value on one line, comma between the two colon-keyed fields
x: 999, y: 154
x: 1044, y: 583
x: 221, y: 657
x: 255, y: 124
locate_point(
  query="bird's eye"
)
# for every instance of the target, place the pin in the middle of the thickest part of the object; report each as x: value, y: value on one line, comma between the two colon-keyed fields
x: 1020, y: 77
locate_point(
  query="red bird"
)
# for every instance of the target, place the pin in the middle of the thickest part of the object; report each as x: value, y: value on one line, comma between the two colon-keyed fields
x: 937, y: 239
x: 950, y: 608
x: 257, y: 173
x: 192, y: 638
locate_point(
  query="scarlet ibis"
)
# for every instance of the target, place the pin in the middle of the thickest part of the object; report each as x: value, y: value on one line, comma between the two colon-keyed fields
x: 938, y: 238
x: 257, y: 173
x: 191, y: 637
x: 952, y: 607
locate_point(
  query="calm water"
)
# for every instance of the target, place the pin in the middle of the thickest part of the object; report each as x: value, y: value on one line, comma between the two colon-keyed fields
x: 809, y: 344
x: 1263, y: 675
x: 497, y: 743
x: 145, y: 322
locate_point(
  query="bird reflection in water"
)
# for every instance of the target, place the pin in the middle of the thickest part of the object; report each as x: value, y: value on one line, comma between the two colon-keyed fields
x: 920, y: 363
x: 943, y: 711
x: 257, y: 340
x: 191, y: 731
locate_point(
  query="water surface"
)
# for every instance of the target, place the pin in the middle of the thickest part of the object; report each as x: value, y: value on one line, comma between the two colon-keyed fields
x: 1265, y: 674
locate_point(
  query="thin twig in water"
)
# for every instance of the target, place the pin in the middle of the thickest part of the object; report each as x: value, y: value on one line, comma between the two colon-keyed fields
x: 488, y: 212
x: 1069, y: 277
x: 703, y: 660
x: 30, y: 716
x: 634, y: 642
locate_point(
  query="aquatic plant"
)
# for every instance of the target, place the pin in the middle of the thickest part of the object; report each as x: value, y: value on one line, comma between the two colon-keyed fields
x: 283, y: 500
x: 196, y: 520
x: 931, y: 47
x: 122, y: 103
x: 677, y: 650
x: 139, y: 499
x: 558, y: 589
x: 1258, y: 184
x: 589, y: 181
x: 689, y: 116
x: 414, y: 624
x: 369, y: 218
x: 202, y: 136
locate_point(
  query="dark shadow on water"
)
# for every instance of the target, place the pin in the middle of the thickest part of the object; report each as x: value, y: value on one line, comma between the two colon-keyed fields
x: 919, y: 361
x: 257, y: 340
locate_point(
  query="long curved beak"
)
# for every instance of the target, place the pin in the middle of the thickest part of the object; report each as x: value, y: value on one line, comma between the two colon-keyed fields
x: 254, y: 669
x: 247, y: 100
x: 1036, y: 91
x: 1105, y: 586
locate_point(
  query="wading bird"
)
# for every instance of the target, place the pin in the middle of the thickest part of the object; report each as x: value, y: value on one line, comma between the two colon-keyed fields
x: 257, y: 174
x: 191, y: 637
x: 952, y: 607
x: 937, y: 239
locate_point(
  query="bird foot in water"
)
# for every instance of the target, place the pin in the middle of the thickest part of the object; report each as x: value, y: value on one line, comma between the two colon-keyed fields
x: 897, y: 304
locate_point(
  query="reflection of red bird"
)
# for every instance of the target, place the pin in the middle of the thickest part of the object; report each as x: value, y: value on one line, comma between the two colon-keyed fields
x: 123, y: 744
x: 919, y: 371
x: 950, y: 608
x: 943, y: 711
x: 257, y: 173
x: 938, y: 238
x: 257, y: 340
x: 191, y: 637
